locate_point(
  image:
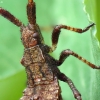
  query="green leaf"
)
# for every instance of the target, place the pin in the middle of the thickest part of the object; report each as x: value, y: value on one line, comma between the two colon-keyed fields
x: 92, y: 9
x: 49, y: 12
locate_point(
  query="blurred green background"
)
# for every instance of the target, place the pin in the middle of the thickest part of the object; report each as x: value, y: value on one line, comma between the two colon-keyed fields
x: 92, y: 8
x: 49, y: 12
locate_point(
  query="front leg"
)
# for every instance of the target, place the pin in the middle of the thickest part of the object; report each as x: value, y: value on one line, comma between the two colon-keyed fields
x: 57, y: 30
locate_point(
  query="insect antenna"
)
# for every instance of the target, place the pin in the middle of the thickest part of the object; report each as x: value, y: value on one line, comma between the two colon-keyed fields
x: 31, y: 13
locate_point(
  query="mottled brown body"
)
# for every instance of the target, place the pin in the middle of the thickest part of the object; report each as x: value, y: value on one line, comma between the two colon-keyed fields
x: 42, y: 82
x: 42, y: 69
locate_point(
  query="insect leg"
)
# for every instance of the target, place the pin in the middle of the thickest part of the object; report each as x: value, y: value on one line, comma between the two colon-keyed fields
x: 10, y: 17
x: 64, y: 78
x: 64, y: 54
x: 31, y: 12
x: 57, y: 30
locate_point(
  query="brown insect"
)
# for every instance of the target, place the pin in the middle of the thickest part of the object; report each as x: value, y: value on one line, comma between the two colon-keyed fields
x: 42, y: 69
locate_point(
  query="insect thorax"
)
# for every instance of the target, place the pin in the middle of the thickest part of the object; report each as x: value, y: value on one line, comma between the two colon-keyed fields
x: 41, y: 79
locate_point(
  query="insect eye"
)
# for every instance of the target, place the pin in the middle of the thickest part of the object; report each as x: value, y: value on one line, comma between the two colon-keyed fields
x: 35, y: 35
